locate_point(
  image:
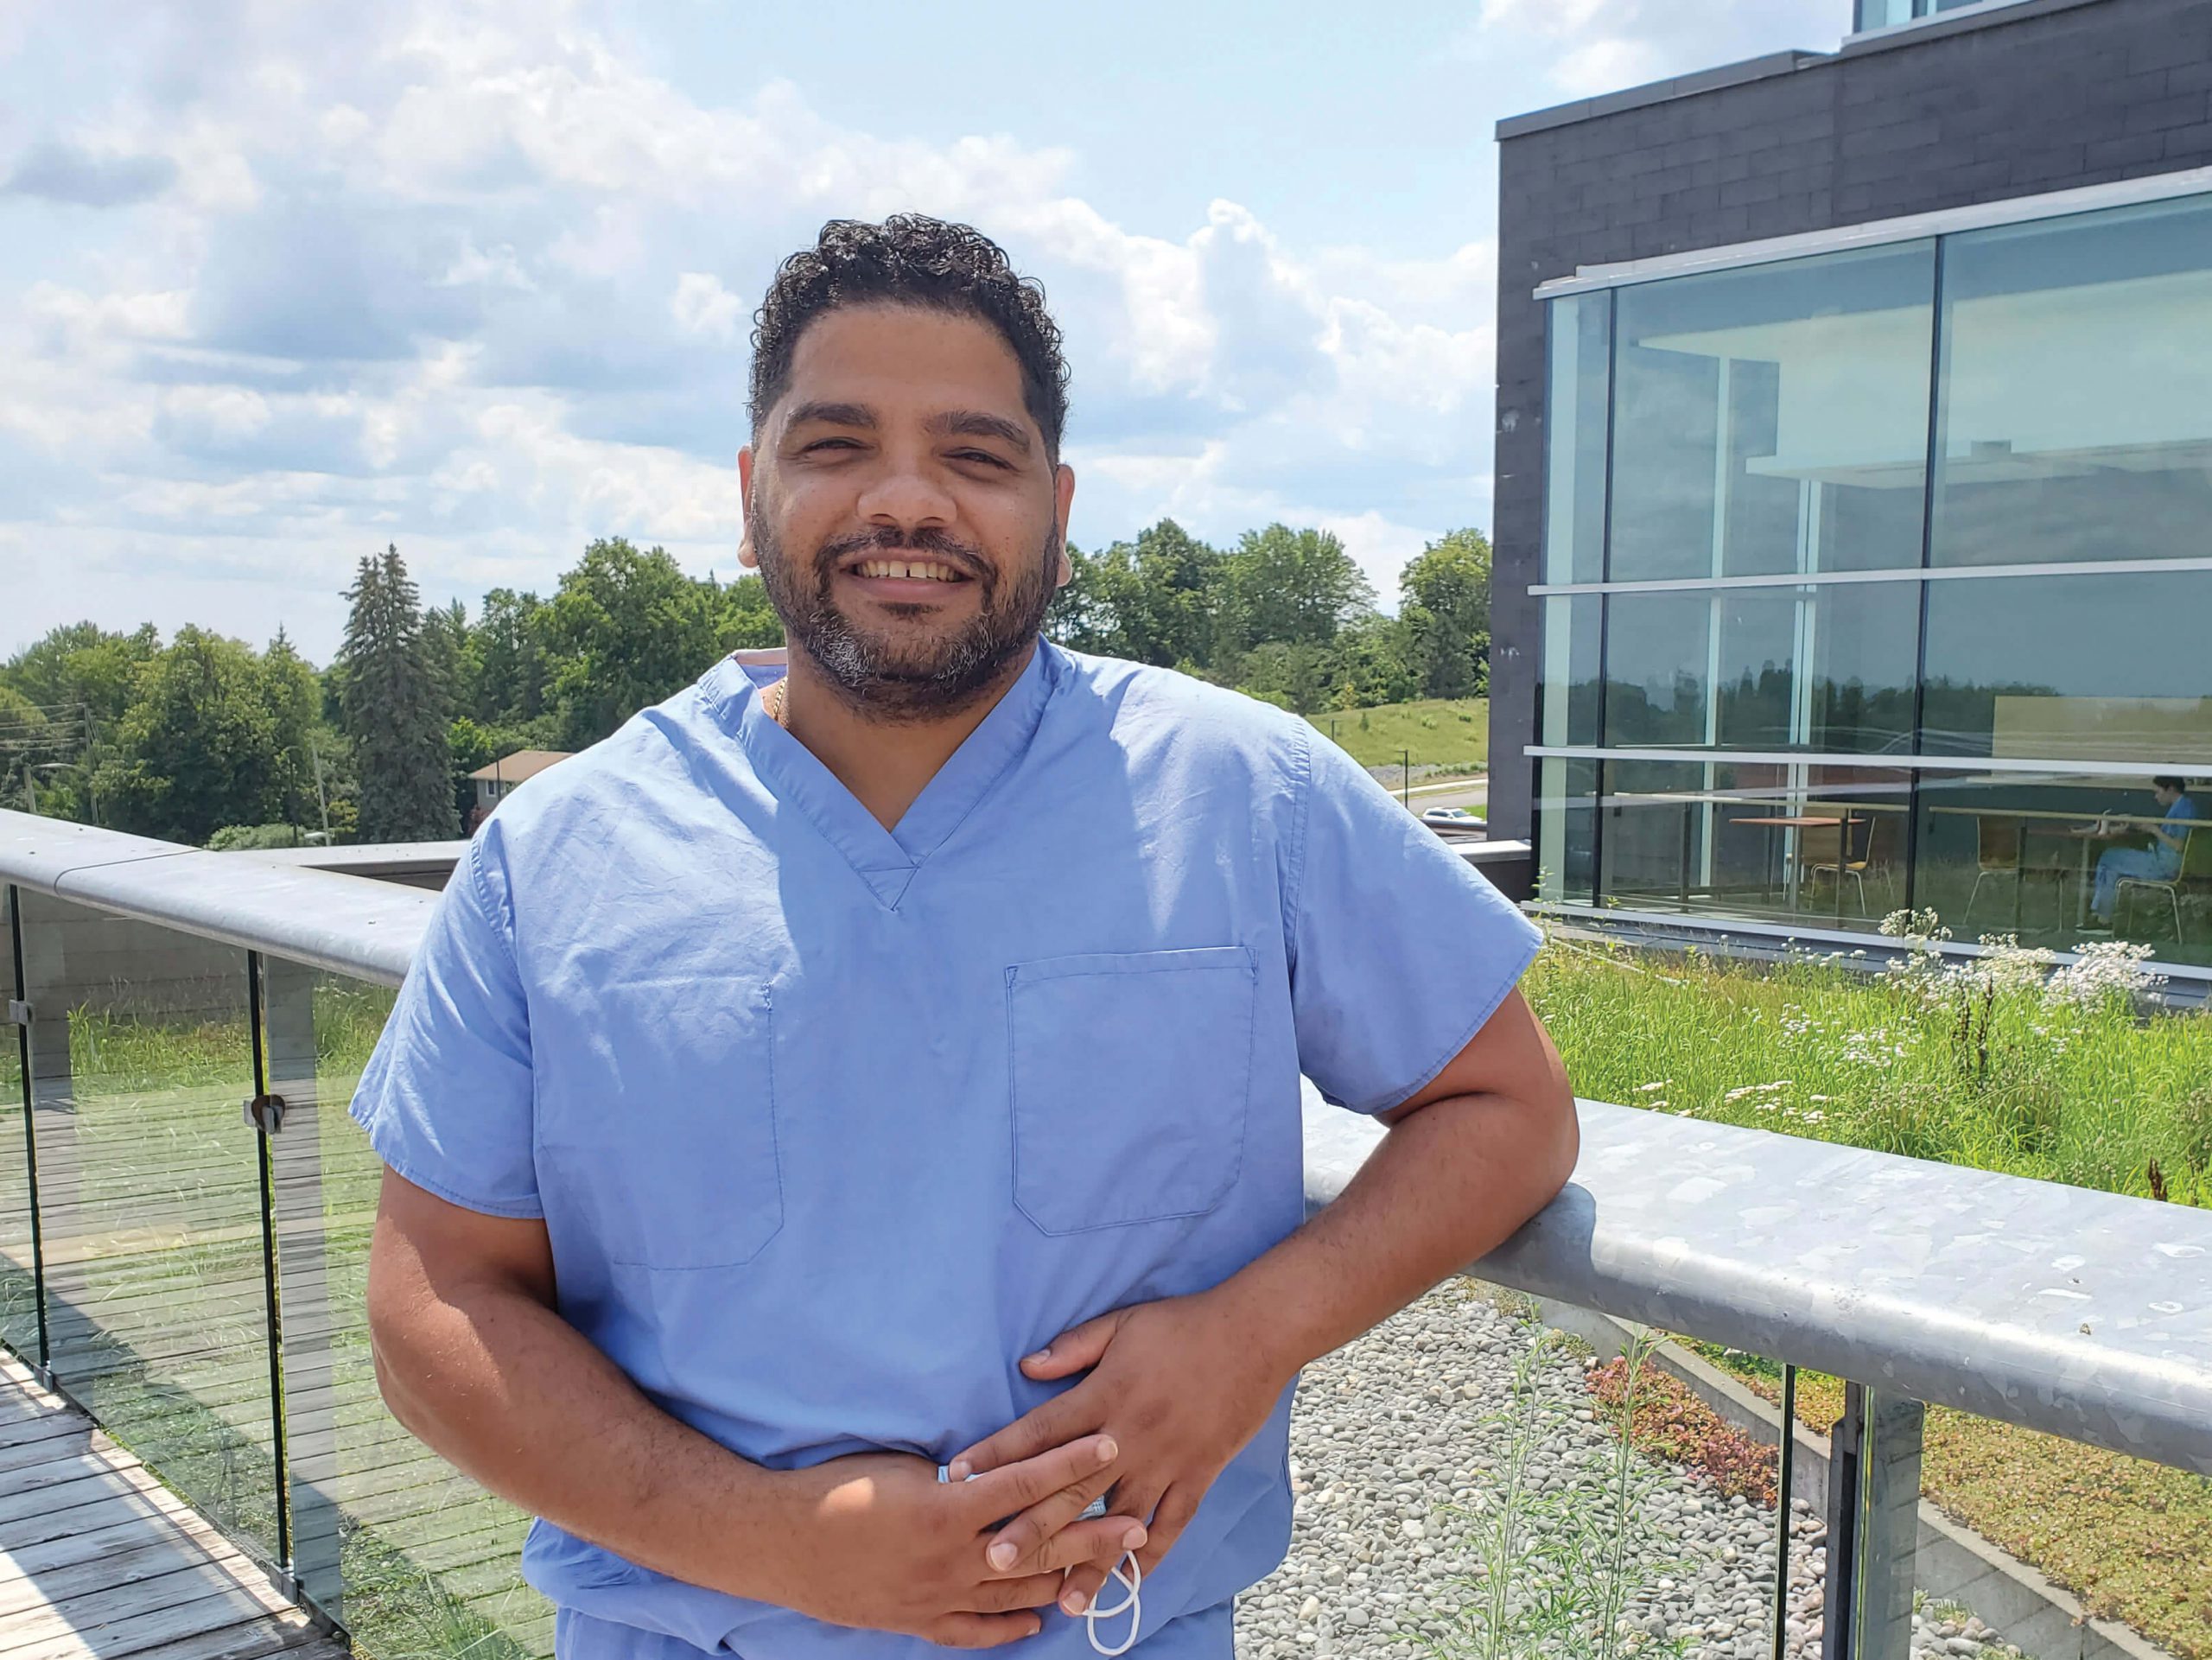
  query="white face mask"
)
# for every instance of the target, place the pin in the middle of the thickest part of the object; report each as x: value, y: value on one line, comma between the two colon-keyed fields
x: 1128, y: 1575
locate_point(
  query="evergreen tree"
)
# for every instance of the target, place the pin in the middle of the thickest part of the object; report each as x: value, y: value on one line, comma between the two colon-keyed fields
x: 394, y: 708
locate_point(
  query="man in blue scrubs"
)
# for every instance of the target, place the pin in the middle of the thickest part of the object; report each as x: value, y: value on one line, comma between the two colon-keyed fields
x: 835, y: 1082
x: 2160, y: 861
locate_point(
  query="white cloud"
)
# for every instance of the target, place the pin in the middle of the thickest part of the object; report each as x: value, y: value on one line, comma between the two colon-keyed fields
x: 479, y: 283
x: 1591, y: 46
x: 701, y: 305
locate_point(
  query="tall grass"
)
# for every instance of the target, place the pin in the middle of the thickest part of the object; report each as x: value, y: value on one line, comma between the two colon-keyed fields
x: 2007, y: 1063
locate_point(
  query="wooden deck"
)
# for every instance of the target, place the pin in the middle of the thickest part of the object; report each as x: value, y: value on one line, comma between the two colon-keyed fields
x: 98, y: 1559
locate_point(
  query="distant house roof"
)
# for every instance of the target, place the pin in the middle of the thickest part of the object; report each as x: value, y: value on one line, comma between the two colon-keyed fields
x: 523, y: 764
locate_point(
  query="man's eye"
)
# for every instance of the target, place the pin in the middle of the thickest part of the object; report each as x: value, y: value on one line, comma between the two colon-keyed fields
x: 828, y: 443
x: 983, y: 455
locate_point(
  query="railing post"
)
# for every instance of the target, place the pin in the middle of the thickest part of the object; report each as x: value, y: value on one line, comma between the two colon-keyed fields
x: 1889, y: 1525
x: 260, y: 1116
x: 303, y: 1279
x: 1873, y: 1517
x: 23, y: 1012
x: 53, y: 991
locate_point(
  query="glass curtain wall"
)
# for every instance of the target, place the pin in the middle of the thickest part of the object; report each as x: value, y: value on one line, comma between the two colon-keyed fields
x: 1912, y: 544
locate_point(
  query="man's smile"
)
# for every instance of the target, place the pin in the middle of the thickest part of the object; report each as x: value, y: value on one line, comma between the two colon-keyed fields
x: 905, y: 578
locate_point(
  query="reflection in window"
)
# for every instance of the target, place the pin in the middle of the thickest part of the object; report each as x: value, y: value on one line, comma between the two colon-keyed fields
x: 1721, y: 667
x: 1570, y: 690
x: 2076, y: 408
x: 1773, y: 419
x: 2071, y: 668
x: 1754, y: 839
x: 1574, y: 461
x: 2035, y: 856
x: 1566, y: 809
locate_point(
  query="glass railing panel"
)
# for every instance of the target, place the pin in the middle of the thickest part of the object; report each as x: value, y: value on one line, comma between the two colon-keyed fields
x: 407, y: 1553
x: 1486, y: 1476
x: 149, y: 1198
x: 18, y: 1284
x: 2013, y: 1511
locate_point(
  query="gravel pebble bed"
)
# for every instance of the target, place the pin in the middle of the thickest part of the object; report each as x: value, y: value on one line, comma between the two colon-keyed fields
x: 1401, y: 1424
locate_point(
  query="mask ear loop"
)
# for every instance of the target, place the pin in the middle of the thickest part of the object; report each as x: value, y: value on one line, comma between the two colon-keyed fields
x: 1130, y: 1581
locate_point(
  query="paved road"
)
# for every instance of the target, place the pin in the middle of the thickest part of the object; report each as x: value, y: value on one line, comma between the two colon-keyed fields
x: 1472, y: 793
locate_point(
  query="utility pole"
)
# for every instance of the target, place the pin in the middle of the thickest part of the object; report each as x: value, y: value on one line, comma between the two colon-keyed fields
x: 321, y: 803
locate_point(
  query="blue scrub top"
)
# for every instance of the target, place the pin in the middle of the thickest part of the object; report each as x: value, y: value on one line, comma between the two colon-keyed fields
x: 830, y: 1124
x: 2179, y: 818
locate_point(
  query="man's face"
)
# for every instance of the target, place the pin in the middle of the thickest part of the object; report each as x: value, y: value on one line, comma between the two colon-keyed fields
x: 902, y: 508
x: 2164, y: 795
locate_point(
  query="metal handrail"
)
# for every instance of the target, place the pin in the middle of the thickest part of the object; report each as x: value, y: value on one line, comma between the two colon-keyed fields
x: 366, y: 929
x: 2080, y: 1314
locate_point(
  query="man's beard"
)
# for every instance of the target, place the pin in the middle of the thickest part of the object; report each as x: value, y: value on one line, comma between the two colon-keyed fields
x: 886, y: 677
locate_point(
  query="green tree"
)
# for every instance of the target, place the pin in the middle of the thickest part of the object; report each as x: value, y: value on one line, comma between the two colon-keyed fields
x: 1296, y: 587
x: 1370, y: 656
x: 509, y: 658
x: 745, y: 619
x: 26, y: 737
x: 1090, y: 612
x: 1178, y: 606
x: 200, y: 746
x: 394, y: 710
x: 626, y: 630
x: 82, y: 666
x: 77, y: 680
x: 293, y: 692
x: 1445, y: 605
x: 449, y: 646
x: 1296, y: 674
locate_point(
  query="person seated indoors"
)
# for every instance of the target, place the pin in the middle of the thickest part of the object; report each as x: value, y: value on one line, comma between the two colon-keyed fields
x: 2160, y: 861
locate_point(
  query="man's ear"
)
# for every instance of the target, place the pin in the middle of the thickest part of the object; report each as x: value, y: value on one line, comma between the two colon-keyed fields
x: 745, y: 556
x: 1062, y: 502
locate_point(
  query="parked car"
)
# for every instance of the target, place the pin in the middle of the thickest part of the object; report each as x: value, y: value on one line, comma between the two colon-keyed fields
x: 1458, y: 819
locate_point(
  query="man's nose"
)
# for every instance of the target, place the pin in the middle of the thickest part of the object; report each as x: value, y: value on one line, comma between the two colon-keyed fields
x: 905, y: 496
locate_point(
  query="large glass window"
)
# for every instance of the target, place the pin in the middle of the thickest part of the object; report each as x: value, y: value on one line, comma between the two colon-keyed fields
x: 2056, y: 859
x: 1825, y: 667
x: 1574, y: 461
x: 1773, y: 419
x: 2081, y: 668
x: 1785, y: 843
x: 1572, y: 625
x: 2076, y: 408
x: 1783, y: 579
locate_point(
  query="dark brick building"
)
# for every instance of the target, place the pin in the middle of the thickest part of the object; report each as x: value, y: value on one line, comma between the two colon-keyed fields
x: 1943, y: 124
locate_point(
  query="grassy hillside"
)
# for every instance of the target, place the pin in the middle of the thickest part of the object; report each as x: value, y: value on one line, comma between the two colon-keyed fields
x: 1452, y: 732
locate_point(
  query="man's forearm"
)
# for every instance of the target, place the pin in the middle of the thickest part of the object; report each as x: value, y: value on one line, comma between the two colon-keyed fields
x: 1446, y: 1185
x: 504, y: 1388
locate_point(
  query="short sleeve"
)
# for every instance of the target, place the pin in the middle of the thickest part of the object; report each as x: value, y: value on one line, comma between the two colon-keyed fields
x: 447, y: 1097
x: 1398, y: 949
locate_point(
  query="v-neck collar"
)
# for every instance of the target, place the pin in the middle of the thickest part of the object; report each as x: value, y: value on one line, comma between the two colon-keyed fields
x: 886, y: 860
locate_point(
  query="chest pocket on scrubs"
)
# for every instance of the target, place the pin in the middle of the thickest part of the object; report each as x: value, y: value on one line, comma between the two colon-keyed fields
x: 679, y: 1169
x: 1130, y: 1077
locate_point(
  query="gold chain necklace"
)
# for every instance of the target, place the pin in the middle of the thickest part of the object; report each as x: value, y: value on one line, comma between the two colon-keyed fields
x: 772, y: 699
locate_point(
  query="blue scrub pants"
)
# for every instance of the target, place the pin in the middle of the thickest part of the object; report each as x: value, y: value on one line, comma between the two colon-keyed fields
x: 2127, y: 862
x: 1208, y: 1634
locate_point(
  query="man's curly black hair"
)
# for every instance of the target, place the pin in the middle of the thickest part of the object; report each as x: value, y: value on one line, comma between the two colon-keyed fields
x: 910, y: 260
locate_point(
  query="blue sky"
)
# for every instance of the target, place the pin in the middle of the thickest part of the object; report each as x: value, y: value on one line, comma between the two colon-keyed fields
x: 281, y: 283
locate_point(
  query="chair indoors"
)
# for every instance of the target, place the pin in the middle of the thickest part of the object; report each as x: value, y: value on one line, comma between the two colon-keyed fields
x: 1857, y: 857
x: 1998, y: 858
x: 2195, y: 876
